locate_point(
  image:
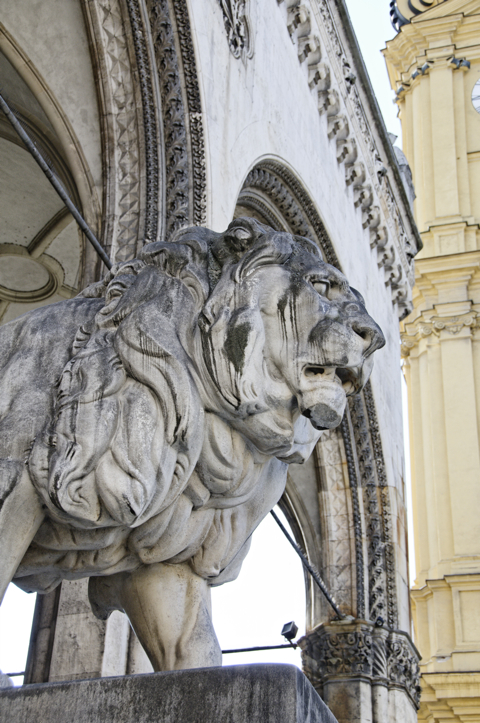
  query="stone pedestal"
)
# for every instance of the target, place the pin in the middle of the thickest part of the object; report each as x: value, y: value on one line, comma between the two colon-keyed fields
x: 236, y: 694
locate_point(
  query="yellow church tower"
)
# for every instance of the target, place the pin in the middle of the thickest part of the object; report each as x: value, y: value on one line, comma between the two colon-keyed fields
x: 434, y: 67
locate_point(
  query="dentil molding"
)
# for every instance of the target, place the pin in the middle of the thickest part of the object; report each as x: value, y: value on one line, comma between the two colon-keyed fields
x: 330, y: 76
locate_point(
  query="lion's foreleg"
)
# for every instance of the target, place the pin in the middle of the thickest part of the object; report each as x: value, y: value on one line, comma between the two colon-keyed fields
x: 169, y: 607
x: 21, y: 514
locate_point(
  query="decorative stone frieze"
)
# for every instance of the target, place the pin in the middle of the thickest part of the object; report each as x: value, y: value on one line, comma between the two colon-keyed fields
x: 123, y: 120
x: 360, y: 649
x: 335, y: 86
x: 358, y: 526
x: 403, y: 669
x: 185, y: 168
x: 173, y: 113
x: 151, y: 134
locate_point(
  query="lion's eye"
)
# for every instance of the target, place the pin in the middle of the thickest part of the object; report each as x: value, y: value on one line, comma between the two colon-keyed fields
x: 320, y: 287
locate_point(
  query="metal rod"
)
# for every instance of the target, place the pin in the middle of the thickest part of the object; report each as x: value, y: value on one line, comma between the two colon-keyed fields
x: 314, y: 573
x: 15, y: 675
x: 262, y: 647
x: 55, y: 181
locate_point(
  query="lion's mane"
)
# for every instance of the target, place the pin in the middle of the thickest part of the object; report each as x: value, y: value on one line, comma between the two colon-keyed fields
x: 134, y: 466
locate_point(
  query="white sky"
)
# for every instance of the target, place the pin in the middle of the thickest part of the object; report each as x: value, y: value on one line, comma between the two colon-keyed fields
x: 270, y: 590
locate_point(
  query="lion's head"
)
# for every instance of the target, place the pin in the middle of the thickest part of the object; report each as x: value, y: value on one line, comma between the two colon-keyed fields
x: 249, y: 327
x: 282, y: 335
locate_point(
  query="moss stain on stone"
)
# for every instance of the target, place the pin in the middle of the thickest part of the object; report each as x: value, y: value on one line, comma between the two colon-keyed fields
x: 236, y: 343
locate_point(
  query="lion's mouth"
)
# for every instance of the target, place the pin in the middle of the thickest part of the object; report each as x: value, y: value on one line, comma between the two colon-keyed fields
x: 324, y: 390
x: 348, y: 377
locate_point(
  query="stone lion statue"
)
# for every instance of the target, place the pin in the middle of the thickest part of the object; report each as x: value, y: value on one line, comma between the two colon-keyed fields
x: 146, y: 426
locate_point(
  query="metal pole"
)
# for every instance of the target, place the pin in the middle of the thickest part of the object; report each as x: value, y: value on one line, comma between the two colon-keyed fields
x: 315, y: 575
x: 55, y: 181
x: 261, y: 647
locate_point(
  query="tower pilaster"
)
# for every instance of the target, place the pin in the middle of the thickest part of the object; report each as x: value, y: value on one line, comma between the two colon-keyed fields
x: 434, y: 65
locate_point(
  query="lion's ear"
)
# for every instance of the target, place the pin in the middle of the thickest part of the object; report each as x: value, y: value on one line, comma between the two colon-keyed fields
x: 239, y: 238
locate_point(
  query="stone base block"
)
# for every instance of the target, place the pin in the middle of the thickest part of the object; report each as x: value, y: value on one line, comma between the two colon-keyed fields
x: 235, y: 694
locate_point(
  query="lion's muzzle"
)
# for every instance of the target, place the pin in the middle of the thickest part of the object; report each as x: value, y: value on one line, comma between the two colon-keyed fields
x: 343, y: 343
x: 322, y: 399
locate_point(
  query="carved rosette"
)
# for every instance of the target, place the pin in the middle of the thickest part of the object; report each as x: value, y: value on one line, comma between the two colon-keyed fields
x: 342, y: 649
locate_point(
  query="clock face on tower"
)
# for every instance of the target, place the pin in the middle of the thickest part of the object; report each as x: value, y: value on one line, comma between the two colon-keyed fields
x: 476, y: 96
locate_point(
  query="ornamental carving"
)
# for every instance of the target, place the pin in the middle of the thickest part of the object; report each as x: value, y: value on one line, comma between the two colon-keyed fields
x: 402, y: 664
x: 356, y: 515
x: 237, y: 27
x: 345, y: 653
x: 376, y: 561
x: 291, y: 201
x: 185, y: 166
x: 123, y: 119
x: 423, y: 328
x: 150, y: 130
x: 341, y: 649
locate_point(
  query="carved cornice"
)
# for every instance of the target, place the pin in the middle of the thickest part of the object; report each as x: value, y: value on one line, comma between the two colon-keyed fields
x: 434, y: 37
x: 359, y: 649
x: 339, y: 100
x: 237, y: 27
x: 433, y: 326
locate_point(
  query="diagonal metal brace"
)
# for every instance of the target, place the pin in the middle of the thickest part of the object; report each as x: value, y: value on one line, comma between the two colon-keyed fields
x: 309, y: 567
x: 55, y: 181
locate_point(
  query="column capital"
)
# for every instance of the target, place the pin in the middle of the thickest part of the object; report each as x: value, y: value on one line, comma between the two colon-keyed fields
x: 436, y: 326
x: 363, y: 650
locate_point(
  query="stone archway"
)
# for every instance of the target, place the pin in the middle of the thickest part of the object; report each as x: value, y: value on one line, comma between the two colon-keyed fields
x: 342, y: 510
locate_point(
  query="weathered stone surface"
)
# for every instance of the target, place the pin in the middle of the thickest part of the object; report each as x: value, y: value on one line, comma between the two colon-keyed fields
x: 235, y: 694
x: 151, y: 440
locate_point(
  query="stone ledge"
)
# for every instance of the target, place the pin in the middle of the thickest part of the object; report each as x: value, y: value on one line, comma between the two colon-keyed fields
x: 233, y: 694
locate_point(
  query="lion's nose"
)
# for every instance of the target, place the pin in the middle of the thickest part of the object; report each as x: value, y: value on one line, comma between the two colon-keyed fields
x: 371, y: 334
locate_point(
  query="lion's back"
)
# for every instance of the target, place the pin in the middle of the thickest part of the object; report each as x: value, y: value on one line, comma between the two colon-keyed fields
x: 33, y: 352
